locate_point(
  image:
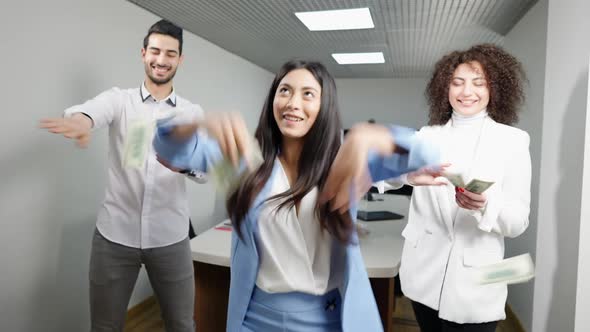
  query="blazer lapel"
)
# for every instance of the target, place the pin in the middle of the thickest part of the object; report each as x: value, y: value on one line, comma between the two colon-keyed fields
x: 442, y: 195
x: 261, y: 198
x: 482, y: 161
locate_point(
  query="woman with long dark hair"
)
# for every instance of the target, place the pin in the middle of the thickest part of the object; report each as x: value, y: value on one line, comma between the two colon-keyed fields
x: 295, y: 262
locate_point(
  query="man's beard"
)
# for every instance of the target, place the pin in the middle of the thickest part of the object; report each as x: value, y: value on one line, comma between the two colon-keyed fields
x: 156, y: 80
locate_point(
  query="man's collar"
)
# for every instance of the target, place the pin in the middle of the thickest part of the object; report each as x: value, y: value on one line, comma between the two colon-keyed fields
x: 144, y: 93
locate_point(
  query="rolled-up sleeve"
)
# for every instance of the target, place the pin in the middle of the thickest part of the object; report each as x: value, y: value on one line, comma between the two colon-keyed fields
x: 102, y: 109
x: 417, y: 153
x: 198, y: 152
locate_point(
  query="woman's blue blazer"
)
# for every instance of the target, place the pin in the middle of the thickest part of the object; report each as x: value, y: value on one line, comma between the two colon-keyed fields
x: 359, y: 309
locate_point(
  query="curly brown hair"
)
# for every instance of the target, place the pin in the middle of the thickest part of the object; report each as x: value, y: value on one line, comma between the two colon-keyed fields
x: 504, y: 75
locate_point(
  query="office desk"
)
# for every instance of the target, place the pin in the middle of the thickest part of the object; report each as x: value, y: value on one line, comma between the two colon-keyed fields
x: 381, y: 250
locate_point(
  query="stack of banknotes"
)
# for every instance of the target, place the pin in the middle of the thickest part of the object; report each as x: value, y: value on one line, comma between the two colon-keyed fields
x: 513, y: 270
x: 475, y: 186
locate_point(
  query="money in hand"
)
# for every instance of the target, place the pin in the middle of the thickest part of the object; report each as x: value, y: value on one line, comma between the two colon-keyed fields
x: 227, y: 177
x: 455, y: 178
x: 139, y: 137
x: 478, y: 186
x: 512, y: 270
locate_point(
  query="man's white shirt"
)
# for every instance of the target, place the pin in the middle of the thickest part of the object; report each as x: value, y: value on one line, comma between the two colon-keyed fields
x: 147, y: 207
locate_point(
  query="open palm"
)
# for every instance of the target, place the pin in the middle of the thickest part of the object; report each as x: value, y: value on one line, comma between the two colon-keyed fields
x: 428, y: 176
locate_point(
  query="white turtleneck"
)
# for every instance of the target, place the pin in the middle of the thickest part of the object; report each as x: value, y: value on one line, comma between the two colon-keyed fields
x: 464, y: 137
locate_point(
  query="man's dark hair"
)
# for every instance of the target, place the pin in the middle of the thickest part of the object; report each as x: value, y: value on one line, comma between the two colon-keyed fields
x: 167, y: 28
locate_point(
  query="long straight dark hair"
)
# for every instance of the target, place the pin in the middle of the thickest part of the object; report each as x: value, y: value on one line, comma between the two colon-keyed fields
x: 319, y: 150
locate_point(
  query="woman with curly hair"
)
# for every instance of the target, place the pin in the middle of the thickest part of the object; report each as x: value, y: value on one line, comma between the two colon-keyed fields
x: 474, y: 96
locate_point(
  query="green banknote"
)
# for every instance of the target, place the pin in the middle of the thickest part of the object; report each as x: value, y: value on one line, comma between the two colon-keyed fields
x: 513, y: 270
x: 475, y: 186
x: 227, y: 177
x: 455, y: 178
x: 478, y: 186
x: 139, y: 137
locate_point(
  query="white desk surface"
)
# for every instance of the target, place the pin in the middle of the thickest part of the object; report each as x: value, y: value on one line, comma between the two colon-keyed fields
x: 381, y: 248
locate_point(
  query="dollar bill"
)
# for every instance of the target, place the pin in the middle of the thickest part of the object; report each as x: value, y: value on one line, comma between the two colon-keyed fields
x: 455, y: 178
x: 478, y: 186
x: 227, y: 177
x: 513, y: 270
x: 475, y: 186
x: 137, y: 142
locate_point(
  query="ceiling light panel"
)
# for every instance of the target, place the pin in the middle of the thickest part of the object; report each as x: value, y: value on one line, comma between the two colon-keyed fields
x: 358, y: 58
x: 342, y: 19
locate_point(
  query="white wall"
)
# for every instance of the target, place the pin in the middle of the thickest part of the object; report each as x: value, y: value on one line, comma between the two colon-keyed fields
x: 527, y: 41
x: 399, y: 101
x: 583, y: 287
x: 562, y: 152
x: 66, y: 51
x: 56, y: 54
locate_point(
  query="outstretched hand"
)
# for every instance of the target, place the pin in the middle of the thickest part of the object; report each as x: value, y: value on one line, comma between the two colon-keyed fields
x: 228, y: 129
x: 77, y: 127
x: 427, y: 176
x: 349, y: 176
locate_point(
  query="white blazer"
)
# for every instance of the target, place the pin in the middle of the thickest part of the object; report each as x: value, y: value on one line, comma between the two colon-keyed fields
x: 440, y: 253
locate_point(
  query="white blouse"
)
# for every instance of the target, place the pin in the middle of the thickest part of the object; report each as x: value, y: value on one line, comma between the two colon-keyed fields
x: 295, y: 253
x: 465, y: 135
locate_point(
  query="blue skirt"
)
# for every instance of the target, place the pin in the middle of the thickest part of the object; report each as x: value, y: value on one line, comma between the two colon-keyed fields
x: 293, y: 312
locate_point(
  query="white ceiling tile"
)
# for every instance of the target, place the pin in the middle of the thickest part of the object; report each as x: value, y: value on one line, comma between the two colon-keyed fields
x: 412, y: 34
